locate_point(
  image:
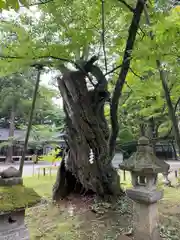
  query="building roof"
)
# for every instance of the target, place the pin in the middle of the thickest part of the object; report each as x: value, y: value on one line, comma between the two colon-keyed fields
x: 19, y: 135
x: 4, y: 134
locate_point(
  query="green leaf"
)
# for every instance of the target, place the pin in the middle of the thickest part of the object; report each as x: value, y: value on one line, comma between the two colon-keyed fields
x: 3, y: 4
x: 13, y: 4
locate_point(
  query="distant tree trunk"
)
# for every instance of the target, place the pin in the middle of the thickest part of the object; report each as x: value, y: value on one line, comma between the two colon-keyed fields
x: 39, y: 68
x: 142, y: 129
x: 151, y: 132
x: 11, y: 135
x: 171, y: 110
x: 87, y: 165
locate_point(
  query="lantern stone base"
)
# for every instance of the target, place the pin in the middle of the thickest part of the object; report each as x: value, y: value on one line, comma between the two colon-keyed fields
x: 145, y: 213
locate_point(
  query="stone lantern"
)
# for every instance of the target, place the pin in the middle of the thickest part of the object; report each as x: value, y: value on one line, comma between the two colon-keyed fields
x: 14, y: 199
x: 144, y: 167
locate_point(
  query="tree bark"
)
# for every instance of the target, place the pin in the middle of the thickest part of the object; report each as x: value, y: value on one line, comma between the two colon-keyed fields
x: 11, y: 135
x: 137, y: 12
x: 171, y: 110
x: 39, y: 68
x: 142, y: 129
x: 87, y: 166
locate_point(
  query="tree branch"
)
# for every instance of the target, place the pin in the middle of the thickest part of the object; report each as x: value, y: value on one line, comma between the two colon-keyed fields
x: 84, y: 69
x: 175, y: 108
x: 103, y: 34
x: 135, y: 73
x: 39, y: 68
x: 171, y: 87
x: 176, y: 105
x: 98, y: 74
x: 123, y: 73
x: 85, y: 52
x: 128, y: 86
x: 127, y: 5
x: 36, y: 58
x: 114, y: 69
x: 39, y: 3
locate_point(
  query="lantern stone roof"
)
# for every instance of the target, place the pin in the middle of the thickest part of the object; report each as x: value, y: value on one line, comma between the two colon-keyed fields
x: 17, y: 197
x: 144, y: 161
x: 14, y: 196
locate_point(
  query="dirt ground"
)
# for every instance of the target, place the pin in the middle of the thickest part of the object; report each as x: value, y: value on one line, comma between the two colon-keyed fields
x: 86, y: 219
x: 80, y: 219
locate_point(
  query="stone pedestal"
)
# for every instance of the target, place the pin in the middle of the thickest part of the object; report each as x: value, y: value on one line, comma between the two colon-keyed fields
x: 146, y: 222
x: 144, y: 167
x: 12, y: 226
x: 145, y: 213
x: 14, y: 199
x: 10, y: 181
x: 20, y: 233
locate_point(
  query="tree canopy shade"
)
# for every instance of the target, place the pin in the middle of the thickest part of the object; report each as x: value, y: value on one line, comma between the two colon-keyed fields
x: 103, y: 52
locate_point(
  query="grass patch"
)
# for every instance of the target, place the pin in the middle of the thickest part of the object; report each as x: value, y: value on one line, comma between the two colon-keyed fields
x: 42, y: 185
x: 169, y: 211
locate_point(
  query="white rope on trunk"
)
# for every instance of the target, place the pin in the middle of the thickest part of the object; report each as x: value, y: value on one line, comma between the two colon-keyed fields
x: 91, y: 156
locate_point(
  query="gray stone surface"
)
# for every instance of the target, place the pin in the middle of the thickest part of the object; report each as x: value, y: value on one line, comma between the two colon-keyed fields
x: 20, y: 233
x: 146, y: 222
x: 15, y: 230
x: 144, y: 160
x: 10, y: 181
x: 10, y: 172
x: 144, y: 196
x: 144, y: 167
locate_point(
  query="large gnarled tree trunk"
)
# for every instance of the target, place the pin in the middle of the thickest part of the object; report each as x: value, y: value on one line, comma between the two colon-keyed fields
x: 88, y: 134
x: 88, y: 163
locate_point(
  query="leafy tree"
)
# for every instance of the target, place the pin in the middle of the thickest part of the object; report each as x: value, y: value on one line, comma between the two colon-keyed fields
x: 16, y: 98
x: 143, y: 99
x: 14, y: 94
x: 41, y: 134
x: 74, y: 38
x: 163, y: 61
